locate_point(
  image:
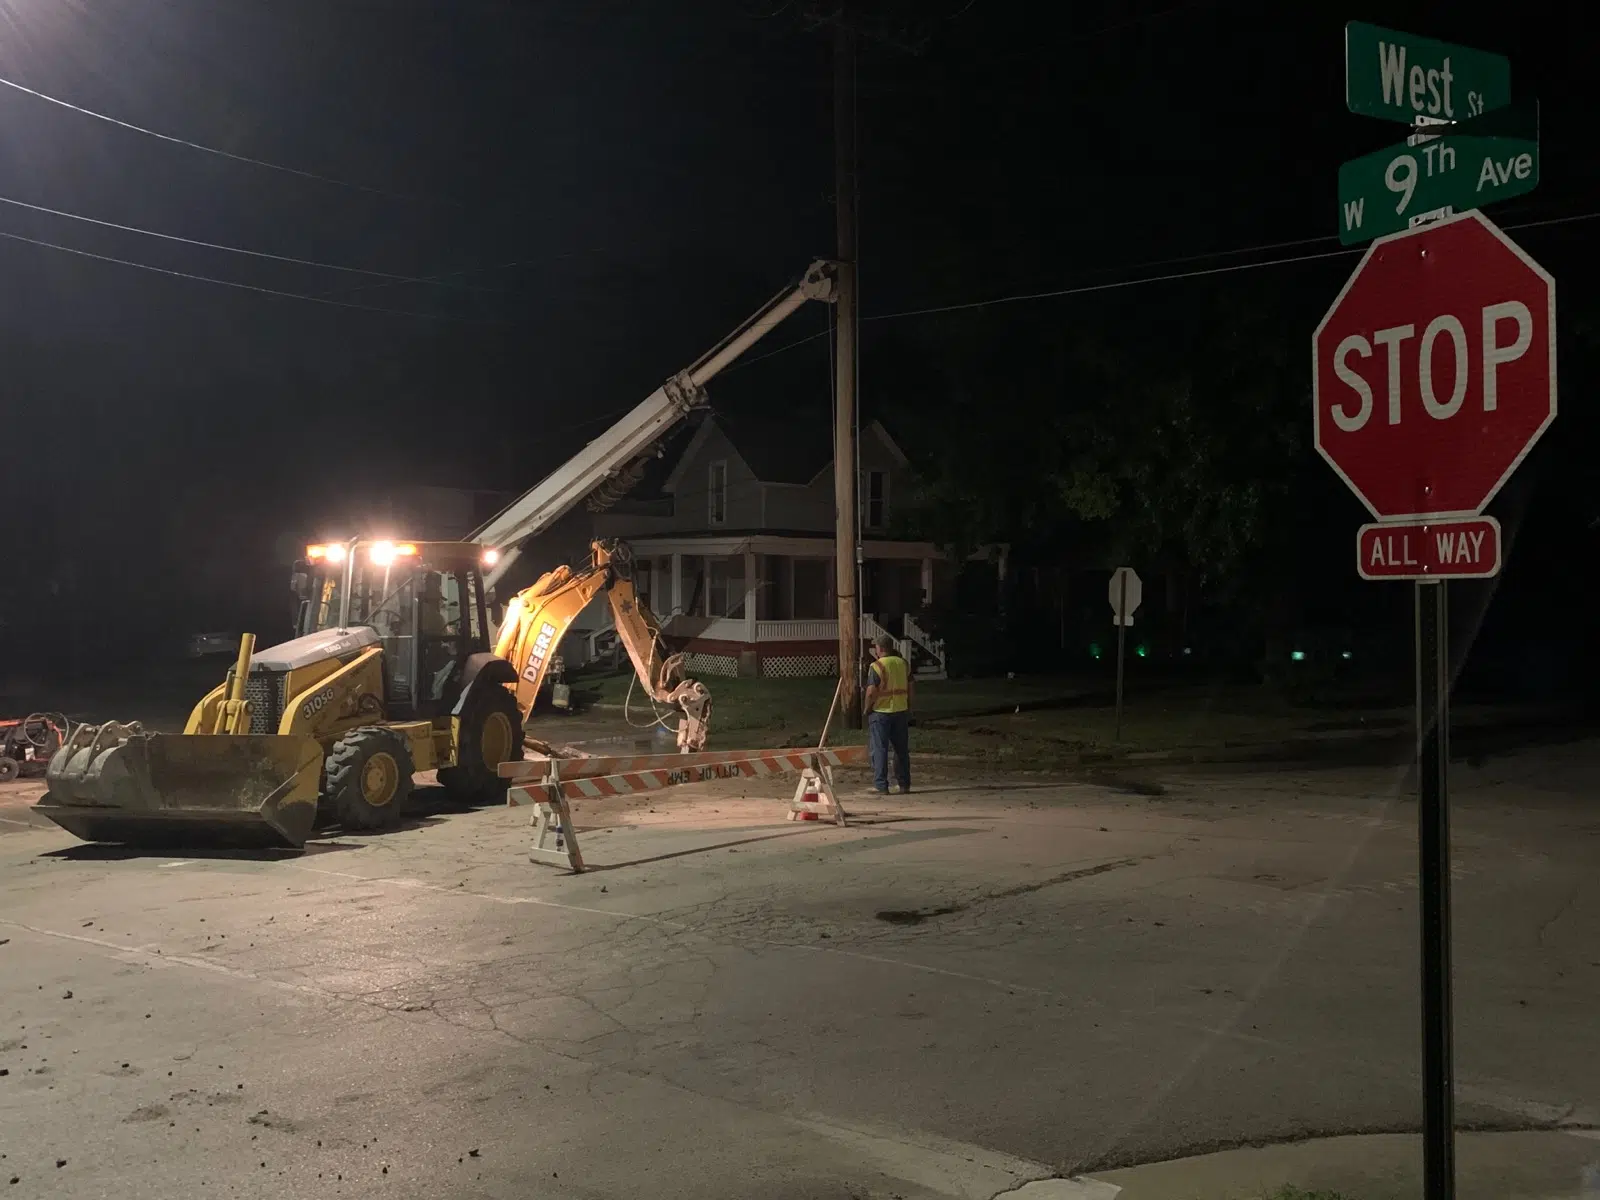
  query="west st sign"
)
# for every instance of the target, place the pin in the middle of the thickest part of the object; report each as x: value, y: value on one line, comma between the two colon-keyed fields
x: 1402, y: 77
x: 1433, y: 374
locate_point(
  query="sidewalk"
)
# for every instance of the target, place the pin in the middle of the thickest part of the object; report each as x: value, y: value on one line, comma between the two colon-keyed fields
x: 1541, y: 1165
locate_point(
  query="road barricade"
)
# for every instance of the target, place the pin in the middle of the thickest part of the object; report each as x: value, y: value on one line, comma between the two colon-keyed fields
x: 551, y: 785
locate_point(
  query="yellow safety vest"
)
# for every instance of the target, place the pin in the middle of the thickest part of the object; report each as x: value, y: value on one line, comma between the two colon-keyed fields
x: 893, y: 694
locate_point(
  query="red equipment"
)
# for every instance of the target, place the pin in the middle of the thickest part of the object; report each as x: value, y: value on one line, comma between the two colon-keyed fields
x: 28, y: 743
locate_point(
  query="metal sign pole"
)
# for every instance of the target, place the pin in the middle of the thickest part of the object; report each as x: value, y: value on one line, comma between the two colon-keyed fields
x: 1122, y: 635
x: 1433, y: 842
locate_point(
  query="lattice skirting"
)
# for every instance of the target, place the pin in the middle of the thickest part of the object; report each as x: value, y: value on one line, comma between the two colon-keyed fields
x: 799, y: 666
x: 712, y: 664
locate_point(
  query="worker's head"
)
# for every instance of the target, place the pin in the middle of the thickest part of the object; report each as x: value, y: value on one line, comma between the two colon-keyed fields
x: 883, y: 645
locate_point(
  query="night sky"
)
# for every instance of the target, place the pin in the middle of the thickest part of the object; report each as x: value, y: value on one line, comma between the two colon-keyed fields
x: 607, y: 188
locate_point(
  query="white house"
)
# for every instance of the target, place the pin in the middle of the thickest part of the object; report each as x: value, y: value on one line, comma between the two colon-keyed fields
x: 734, y: 549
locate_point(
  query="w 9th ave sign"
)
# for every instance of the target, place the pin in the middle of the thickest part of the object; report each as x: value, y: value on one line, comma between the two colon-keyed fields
x: 1434, y: 372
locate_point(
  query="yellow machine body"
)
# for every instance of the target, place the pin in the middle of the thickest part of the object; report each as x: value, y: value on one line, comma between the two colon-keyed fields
x: 393, y: 673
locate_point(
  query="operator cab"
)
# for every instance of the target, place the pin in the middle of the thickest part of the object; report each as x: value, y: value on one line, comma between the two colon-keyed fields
x: 425, y: 600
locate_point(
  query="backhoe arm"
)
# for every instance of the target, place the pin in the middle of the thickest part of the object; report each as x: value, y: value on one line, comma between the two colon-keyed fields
x: 662, y: 677
x: 539, y: 617
x: 535, y: 622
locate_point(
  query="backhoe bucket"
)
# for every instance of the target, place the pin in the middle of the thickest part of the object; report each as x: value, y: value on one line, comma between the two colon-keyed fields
x: 116, y: 783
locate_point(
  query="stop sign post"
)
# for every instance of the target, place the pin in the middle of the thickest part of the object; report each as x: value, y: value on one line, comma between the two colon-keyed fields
x: 1433, y: 375
x: 1125, y: 593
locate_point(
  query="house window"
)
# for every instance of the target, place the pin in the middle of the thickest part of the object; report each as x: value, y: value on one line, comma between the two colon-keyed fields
x: 875, y: 498
x: 717, y: 493
x: 725, y: 587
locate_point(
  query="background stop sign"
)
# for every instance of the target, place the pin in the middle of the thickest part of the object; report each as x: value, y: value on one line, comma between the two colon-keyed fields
x: 1435, y: 370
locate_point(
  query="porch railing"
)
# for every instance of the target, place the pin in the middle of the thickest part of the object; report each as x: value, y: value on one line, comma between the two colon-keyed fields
x: 796, y: 631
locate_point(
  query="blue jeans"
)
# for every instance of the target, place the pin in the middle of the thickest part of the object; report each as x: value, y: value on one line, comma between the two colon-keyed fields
x: 886, y: 731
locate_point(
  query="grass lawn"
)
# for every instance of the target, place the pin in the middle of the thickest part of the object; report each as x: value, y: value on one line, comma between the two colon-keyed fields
x: 1032, y: 723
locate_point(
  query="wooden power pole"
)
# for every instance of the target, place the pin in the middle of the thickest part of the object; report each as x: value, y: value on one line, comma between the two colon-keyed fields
x: 846, y: 570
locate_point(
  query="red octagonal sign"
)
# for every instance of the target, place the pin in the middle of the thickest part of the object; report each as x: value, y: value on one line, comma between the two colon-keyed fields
x: 1435, y: 370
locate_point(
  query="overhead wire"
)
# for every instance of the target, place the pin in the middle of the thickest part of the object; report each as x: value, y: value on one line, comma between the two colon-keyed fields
x: 245, y: 287
x: 1112, y: 285
x: 228, y: 154
x: 223, y: 246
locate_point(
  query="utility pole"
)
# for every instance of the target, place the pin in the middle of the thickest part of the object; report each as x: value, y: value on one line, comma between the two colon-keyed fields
x: 844, y: 365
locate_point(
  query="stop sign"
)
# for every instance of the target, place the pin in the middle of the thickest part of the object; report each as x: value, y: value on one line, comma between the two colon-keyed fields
x: 1435, y: 370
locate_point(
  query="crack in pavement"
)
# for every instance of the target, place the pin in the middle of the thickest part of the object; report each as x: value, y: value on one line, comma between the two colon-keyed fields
x: 916, y: 916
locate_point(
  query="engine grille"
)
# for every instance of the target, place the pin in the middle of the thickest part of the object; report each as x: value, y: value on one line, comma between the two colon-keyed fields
x: 267, y: 693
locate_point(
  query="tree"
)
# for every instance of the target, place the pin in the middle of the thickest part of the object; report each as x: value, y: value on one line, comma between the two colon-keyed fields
x: 1164, y: 432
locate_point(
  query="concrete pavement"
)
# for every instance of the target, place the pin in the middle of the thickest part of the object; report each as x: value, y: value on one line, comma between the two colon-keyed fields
x: 977, y: 987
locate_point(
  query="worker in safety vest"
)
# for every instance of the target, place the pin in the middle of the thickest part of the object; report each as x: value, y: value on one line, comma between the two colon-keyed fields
x: 888, y: 708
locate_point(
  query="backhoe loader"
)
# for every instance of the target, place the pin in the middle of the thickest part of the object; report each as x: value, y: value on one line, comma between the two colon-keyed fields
x: 392, y: 672
x: 395, y: 669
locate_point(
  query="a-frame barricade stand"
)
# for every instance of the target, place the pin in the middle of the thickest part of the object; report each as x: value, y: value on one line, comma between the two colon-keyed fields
x: 550, y: 786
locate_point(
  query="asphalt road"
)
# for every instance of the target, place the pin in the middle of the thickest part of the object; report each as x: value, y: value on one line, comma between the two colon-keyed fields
x: 986, y: 984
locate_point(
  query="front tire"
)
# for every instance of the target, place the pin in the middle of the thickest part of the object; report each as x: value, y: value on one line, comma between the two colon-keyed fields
x: 490, y: 733
x: 10, y: 768
x: 368, y: 778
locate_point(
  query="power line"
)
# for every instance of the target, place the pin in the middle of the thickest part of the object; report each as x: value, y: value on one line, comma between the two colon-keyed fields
x: 439, y: 278
x: 1106, y: 287
x: 243, y: 158
x: 1123, y: 283
x: 173, y: 237
x: 1126, y: 283
x: 243, y: 287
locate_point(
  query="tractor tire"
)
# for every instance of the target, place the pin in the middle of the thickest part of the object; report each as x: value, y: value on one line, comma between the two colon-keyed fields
x: 367, y: 779
x: 491, y: 733
x: 10, y: 768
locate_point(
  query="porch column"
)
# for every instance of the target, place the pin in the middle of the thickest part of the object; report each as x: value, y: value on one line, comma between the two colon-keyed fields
x: 677, y: 584
x: 751, y: 587
x: 927, y: 581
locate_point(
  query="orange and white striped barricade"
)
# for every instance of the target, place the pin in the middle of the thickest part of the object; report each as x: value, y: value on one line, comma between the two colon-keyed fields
x: 551, y: 785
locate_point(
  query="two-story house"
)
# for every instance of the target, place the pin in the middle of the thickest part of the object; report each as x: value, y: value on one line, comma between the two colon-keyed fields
x: 733, y: 539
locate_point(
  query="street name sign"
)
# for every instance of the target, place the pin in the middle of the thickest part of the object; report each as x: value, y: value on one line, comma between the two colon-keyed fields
x: 1134, y: 595
x: 1455, y: 170
x: 1400, y: 77
x: 1434, y: 372
x: 1457, y: 549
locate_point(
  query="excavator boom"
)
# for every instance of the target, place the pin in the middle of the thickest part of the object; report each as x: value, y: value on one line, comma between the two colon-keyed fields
x: 538, y: 618
x: 630, y: 441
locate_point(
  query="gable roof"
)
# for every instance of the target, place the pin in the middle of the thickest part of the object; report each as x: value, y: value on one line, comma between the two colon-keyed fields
x: 791, y: 449
x: 781, y: 449
x: 875, y: 428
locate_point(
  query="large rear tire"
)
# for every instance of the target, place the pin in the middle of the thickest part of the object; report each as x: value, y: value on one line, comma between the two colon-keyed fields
x: 368, y: 778
x: 491, y: 733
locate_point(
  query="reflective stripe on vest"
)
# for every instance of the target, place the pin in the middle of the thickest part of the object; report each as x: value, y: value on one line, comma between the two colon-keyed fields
x: 893, y: 695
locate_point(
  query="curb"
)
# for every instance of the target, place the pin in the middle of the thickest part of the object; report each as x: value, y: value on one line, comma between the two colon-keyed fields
x: 1561, y: 1162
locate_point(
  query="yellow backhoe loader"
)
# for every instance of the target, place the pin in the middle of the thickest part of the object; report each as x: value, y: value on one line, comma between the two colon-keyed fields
x: 393, y: 672
x: 395, y: 668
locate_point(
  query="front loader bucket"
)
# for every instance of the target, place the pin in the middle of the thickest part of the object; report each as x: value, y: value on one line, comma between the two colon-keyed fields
x: 116, y: 783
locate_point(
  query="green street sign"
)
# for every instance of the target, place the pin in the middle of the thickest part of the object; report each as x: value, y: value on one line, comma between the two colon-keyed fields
x: 1494, y: 158
x: 1402, y: 77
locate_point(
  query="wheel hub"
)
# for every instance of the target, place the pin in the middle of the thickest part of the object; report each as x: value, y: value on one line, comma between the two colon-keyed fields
x: 495, y: 741
x: 380, y: 779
